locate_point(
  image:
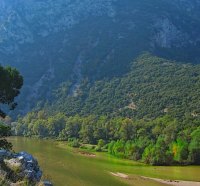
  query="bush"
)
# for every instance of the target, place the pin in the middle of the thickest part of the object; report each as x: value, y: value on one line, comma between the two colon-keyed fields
x: 74, y: 143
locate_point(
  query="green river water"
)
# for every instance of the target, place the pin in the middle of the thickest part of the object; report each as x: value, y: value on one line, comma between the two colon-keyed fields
x: 65, y: 167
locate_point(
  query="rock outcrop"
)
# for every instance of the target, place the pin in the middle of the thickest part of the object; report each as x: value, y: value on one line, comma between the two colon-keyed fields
x: 19, y: 169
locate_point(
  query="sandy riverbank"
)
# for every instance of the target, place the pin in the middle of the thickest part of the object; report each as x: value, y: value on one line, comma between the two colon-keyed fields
x: 174, y: 182
x: 144, y: 179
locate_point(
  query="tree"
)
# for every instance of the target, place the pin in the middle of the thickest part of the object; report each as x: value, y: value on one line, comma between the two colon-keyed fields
x: 10, y: 83
x: 56, y: 124
x: 117, y: 148
x: 100, y: 145
x: 180, y: 150
x: 126, y: 130
x: 194, y: 147
x: 4, y: 132
x: 132, y: 150
x: 158, y: 154
x: 73, y: 126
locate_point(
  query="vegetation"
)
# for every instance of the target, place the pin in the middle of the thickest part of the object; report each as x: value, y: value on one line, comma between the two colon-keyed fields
x: 10, y: 83
x: 151, y: 114
x: 106, y: 50
x: 154, y: 87
x: 161, y: 141
x: 4, y: 132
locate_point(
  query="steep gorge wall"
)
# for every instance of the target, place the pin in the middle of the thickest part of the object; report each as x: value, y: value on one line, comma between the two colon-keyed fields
x: 43, y: 39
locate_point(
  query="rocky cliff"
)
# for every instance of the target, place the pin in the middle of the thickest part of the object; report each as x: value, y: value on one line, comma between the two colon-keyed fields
x: 65, y: 41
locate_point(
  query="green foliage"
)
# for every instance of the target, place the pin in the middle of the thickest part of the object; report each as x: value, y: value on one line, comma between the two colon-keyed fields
x: 74, y: 143
x: 154, y: 87
x: 100, y: 145
x: 11, y: 83
x: 151, y: 114
x: 118, y: 149
x: 194, y: 147
x: 158, y: 154
x: 180, y: 150
x: 160, y: 141
x: 5, y: 131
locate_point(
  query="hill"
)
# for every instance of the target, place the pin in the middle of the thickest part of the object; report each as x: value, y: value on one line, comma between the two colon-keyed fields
x: 154, y: 87
x: 54, y: 42
x: 150, y: 114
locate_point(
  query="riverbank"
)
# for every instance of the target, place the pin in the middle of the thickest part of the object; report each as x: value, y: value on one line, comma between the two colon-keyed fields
x: 142, y: 179
x: 174, y: 182
x: 89, y: 152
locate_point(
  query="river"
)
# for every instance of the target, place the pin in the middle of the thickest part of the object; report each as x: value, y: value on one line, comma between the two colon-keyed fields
x: 64, y: 166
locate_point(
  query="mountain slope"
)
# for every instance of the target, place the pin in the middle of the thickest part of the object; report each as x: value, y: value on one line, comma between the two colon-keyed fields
x: 64, y: 41
x: 154, y: 87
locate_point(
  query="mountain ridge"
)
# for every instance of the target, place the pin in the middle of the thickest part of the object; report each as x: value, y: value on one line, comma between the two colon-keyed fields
x: 44, y: 40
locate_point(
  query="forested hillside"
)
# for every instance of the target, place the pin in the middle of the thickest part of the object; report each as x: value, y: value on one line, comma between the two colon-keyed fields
x: 122, y: 75
x: 150, y: 114
x: 153, y: 87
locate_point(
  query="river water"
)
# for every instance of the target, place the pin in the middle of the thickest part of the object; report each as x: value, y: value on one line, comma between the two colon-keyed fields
x: 66, y: 167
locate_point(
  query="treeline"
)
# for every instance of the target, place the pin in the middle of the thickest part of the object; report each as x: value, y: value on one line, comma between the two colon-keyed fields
x: 161, y: 141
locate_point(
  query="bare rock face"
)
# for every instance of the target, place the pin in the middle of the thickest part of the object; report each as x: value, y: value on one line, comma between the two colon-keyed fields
x: 168, y: 34
x: 43, y: 39
x: 22, y: 22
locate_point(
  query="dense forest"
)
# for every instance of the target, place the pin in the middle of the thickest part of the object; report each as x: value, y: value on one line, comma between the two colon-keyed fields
x: 150, y: 115
x: 161, y: 141
x: 153, y: 87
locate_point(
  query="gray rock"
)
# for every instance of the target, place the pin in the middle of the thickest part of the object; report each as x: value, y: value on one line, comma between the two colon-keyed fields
x: 31, y: 169
x: 4, y: 154
x: 47, y: 183
x: 23, y: 164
